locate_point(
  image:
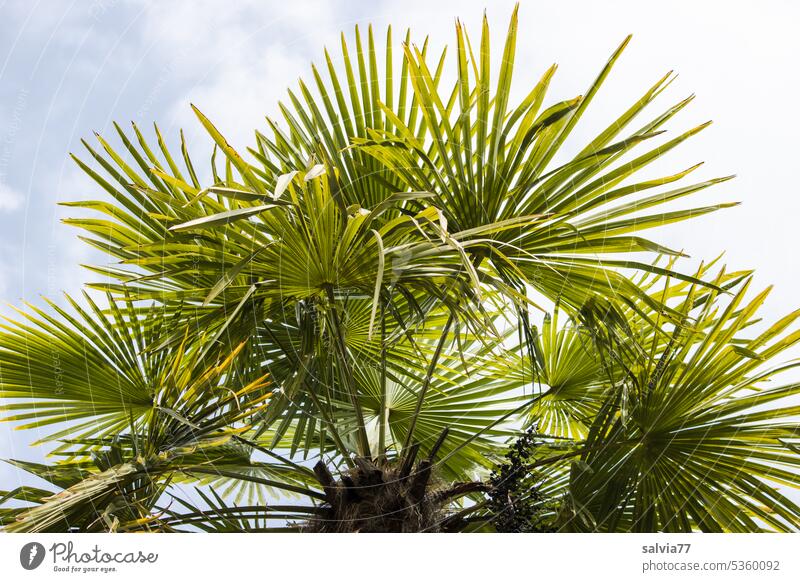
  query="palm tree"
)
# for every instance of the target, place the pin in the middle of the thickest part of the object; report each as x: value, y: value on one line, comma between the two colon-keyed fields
x: 347, y: 317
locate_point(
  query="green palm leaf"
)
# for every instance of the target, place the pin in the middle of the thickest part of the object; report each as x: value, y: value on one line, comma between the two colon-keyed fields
x: 701, y: 438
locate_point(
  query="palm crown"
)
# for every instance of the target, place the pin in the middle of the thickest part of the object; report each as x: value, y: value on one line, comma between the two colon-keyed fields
x: 347, y: 315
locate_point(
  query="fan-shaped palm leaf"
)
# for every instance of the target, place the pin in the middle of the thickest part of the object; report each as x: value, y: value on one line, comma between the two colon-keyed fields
x: 699, y: 439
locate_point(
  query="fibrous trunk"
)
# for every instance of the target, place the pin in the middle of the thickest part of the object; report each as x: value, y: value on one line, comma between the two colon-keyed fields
x: 385, y: 496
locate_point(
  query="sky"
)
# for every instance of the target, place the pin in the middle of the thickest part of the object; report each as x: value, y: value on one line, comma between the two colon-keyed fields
x: 68, y: 69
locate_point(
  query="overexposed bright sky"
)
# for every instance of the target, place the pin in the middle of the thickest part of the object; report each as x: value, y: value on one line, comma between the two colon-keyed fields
x: 70, y: 68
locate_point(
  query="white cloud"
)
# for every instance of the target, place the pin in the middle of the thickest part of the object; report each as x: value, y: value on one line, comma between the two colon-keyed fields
x: 10, y: 199
x: 235, y: 63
